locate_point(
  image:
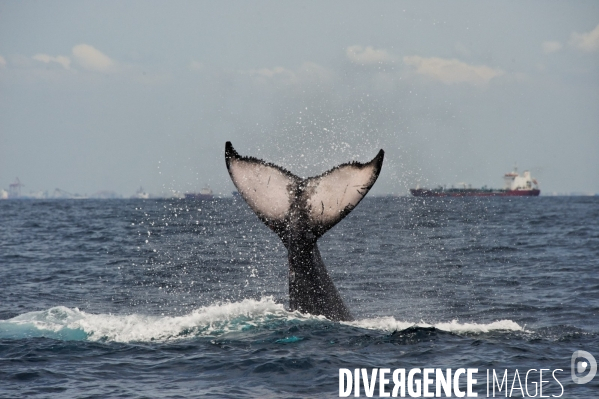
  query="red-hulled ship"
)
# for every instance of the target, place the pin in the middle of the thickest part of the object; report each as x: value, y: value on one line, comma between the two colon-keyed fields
x: 204, y: 194
x: 515, y: 186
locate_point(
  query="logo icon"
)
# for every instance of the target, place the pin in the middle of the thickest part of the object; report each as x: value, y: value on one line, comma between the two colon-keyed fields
x: 581, y: 367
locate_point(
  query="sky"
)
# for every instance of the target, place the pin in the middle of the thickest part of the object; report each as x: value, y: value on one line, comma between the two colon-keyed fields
x: 112, y: 95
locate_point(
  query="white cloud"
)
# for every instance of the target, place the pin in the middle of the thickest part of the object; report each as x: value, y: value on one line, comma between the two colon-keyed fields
x: 92, y: 59
x: 59, y: 59
x: 551, y: 47
x: 588, y: 42
x: 85, y: 56
x: 451, y: 71
x: 82, y: 65
x: 368, y: 55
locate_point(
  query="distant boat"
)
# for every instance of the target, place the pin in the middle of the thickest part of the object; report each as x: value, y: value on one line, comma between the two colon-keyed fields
x: 515, y: 185
x: 204, y: 194
x: 140, y: 194
x: 14, y: 189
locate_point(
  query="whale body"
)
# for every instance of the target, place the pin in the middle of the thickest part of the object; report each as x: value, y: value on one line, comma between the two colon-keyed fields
x: 300, y: 211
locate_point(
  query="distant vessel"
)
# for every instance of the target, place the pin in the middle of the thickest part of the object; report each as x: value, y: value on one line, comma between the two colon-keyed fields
x: 515, y: 185
x: 14, y: 190
x: 204, y: 194
x: 140, y: 194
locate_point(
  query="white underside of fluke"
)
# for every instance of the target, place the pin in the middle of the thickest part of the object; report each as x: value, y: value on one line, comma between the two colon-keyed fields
x: 266, y: 189
x: 331, y: 194
x: 271, y: 191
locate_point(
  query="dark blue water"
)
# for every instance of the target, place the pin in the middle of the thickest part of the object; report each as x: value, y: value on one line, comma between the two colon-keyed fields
x: 172, y: 298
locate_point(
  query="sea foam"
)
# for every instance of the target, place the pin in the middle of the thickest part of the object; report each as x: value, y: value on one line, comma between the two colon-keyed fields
x: 390, y: 324
x: 210, y: 321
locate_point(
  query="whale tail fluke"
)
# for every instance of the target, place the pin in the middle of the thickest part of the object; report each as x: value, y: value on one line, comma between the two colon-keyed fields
x: 300, y: 211
x: 273, y: 192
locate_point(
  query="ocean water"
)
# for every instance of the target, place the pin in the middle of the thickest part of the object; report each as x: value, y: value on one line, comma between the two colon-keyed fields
x: 180, y: 299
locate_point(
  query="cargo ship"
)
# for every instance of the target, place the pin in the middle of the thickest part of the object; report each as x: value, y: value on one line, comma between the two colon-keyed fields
x: 515, y: 185
x: 204, y: 194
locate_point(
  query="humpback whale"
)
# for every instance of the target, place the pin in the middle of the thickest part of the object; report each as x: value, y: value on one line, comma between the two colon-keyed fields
x: 300, y: 211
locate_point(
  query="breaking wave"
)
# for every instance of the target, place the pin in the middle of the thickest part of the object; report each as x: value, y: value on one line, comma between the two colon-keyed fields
x: 63, y: 323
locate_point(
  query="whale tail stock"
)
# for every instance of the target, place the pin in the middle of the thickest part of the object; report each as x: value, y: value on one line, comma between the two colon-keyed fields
x: 300, y: 211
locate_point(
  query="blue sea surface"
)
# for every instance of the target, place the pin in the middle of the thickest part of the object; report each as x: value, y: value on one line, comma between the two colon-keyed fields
x: 182, y: 299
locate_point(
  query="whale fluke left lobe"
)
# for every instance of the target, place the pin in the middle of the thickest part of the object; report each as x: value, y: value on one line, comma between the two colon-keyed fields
x: 264, y: 186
